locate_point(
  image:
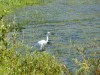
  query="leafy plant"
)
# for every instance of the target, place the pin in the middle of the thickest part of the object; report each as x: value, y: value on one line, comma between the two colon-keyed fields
x: 88, y: 66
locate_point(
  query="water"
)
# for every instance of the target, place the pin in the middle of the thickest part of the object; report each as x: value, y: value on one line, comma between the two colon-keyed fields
x: 72, y: 24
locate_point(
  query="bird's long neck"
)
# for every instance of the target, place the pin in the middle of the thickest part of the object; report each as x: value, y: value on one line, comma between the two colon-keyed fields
x: 47, y: 38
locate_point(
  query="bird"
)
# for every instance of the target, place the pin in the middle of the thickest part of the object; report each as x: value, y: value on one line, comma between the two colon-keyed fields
x: 42, y: 43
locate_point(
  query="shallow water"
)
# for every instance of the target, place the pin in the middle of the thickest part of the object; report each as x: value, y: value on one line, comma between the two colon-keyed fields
x: 72, y: 25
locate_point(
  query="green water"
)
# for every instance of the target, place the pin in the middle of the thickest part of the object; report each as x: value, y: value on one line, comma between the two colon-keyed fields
x: 73, y: 24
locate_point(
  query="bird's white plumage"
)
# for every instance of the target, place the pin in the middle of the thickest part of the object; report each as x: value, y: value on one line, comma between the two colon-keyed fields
x: 42, y: 43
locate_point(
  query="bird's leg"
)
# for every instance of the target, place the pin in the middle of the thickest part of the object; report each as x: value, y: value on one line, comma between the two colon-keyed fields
x: 41, y: 47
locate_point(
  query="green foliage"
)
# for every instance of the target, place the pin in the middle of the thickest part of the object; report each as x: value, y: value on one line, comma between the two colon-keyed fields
x: 7, y: 6
x: 4, y: 30
x: 89, y: 66
x: 36, y: 63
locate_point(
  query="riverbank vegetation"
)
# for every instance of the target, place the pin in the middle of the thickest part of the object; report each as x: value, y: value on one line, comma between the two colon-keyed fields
x: 7, y: 6
x: 19, y: 62
x: 16, y: 58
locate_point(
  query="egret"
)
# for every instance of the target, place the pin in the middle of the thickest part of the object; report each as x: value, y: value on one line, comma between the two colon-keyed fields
x: 42, y: 43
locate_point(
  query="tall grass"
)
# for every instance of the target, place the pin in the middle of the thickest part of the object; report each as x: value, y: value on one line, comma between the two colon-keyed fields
x: 36, y: 63
x: 88, y: 65
x: 7, y: 6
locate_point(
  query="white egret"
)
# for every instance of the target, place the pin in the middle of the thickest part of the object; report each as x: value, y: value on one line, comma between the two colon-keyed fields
x: 42, y: 43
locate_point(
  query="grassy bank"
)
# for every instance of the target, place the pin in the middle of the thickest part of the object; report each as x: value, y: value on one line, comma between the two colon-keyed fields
x: 7, y: 6
x: 36, y: 63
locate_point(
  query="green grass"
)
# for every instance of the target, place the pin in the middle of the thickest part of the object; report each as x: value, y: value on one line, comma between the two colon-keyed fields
x: 36, y: 63
x: 7, y: 6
